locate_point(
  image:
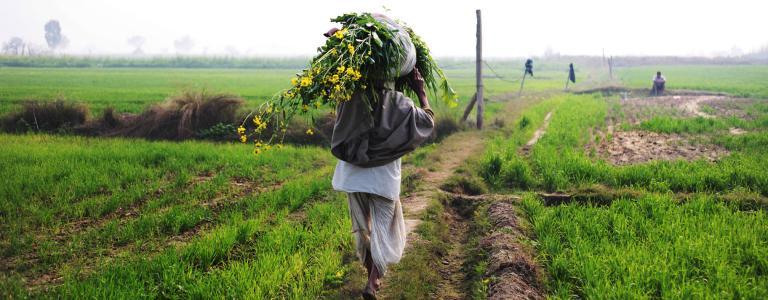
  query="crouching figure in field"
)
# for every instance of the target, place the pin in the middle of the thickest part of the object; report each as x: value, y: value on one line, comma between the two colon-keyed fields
x: 658, y: 85
x: 369, y: 145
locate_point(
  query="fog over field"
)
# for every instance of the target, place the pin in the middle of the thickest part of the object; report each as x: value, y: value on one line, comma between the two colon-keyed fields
x: 289, y: 28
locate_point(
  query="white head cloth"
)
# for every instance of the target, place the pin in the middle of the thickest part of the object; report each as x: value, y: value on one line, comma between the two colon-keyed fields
x: 408, y: 61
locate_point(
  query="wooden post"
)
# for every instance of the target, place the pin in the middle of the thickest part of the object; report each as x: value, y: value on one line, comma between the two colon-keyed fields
x: 522, y: 82
x: 469, y: 108
x: 479, y: 72
x: 610, y: 67
x: 567, y: 79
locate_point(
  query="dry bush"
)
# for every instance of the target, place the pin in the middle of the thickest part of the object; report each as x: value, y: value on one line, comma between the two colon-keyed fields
x: 182, y: 116
x: 54, y: 116
x: 445, y: 126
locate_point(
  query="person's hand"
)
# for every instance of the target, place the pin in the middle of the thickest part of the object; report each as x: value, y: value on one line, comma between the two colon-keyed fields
x: 331, y: 32
x: 416, y: 81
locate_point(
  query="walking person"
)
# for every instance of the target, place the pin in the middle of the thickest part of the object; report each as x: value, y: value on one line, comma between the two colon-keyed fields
x: 369, y: 145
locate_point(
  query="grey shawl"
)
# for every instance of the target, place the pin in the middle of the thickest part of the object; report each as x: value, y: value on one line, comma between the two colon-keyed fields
x: 371, y: 139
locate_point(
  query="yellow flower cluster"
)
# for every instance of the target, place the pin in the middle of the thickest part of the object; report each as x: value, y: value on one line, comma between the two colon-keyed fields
x: 241, y: 133
x: 260, y: 125
x: 306, y: 81
x: 340, y: 33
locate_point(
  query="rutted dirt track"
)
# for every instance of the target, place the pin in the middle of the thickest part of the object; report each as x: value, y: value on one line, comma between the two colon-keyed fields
x: 451, y: 154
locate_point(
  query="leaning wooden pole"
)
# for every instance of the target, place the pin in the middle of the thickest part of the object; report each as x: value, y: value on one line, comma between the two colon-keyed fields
x: 469, y: 108
x: 479, y: 72
x: 522, y: 82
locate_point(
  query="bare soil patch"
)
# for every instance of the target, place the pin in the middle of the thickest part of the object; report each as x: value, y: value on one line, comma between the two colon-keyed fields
x: 538, y: 134
x: 636, y: 110
x: 631, y: 147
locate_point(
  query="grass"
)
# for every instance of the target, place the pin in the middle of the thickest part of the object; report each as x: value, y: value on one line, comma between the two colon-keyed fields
x: 132, y: 89
x: 739, y: 80
x: 100, y: 213
x: 647, y: 242
x: 652, y: 247
x: 558, y: 161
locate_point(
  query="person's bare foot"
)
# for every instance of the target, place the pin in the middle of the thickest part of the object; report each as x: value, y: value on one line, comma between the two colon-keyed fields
x: 374, y: 279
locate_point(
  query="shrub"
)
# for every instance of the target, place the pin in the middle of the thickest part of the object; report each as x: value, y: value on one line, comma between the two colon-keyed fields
x: 183, y: 116
x: 55, y: 116
x: 445, y: 126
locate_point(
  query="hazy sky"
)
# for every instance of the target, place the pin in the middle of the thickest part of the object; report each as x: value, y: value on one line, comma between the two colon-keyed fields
x: 294, y: 27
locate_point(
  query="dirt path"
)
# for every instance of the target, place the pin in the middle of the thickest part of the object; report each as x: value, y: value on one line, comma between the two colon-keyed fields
x: 448, y: 156
x: 540, y: 132
x: 691, y: 105
x: 537, y: 135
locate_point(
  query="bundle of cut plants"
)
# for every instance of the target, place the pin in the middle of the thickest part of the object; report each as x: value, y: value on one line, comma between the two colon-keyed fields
x: 367, y: 51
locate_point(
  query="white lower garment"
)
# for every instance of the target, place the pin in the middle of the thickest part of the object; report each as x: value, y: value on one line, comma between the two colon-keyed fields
x: 378, y: 225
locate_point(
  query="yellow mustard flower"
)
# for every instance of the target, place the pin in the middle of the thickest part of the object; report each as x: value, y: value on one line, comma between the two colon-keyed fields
x: 310, y: 132
x: 339, y: 34
x: 340, y: 69
x: 257, y: 144
x: 306, y: 81
x: 317, y: 104
x: 334, y: 78
x: 337, y: 88
x: 294, y: 81
x: 351, y: 48
x: 256, y: 151
x: 241, y: 130
x: 333, y: 51
x: 305, y: 108
x: 243, y: 138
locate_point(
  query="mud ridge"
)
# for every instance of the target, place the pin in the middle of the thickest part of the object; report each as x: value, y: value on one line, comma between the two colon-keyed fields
x: 511, y: 264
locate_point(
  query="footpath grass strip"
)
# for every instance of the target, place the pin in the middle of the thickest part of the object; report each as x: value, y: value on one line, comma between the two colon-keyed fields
x: 652, y: 247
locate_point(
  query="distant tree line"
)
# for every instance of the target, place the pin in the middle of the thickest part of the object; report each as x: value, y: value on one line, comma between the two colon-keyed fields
x: 153, y: 62
x: 53, y: 37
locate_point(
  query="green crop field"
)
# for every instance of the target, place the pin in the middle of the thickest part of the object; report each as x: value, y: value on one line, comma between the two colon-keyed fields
x: 97, y: 217
x: 742, y: 80
x: 669, y: 229
x: 133, y: 89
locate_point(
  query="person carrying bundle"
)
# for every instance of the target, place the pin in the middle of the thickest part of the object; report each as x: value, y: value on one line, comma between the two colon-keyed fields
x: 659, y: 81
x: 369, y: 145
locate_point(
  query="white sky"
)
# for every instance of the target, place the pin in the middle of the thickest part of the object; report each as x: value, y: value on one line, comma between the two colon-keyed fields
x: 294, y: 27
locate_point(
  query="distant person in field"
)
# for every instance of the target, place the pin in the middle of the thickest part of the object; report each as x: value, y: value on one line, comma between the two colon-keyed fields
x: 369, y: 145
x: 659, y: 81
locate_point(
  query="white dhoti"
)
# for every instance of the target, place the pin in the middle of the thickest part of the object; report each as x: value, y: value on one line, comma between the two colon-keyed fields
x: 378, y: 226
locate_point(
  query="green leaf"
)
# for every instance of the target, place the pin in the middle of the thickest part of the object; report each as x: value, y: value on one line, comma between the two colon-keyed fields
x: 377, y: 39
